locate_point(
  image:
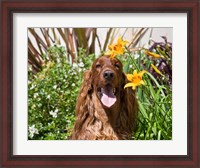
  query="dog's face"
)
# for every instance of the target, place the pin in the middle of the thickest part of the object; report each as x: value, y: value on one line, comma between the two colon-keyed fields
x: 108, y: 79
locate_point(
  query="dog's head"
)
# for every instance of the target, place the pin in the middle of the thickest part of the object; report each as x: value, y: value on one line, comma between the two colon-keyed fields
x: 107, y: 79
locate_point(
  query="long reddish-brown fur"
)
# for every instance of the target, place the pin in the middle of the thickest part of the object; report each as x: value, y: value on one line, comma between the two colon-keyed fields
x: 95, y: 121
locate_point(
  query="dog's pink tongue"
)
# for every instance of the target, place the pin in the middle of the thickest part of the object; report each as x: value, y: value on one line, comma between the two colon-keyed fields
x: 108, y: 98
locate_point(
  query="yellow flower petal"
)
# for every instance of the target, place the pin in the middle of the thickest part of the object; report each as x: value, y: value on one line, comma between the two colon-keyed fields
x: 110, y: 47
x: 142, y: 72
x: 152, y: 54
x: 129, y: 85
x: 156, y: 69
x: 133, y: 87
x: 108, y: 53
x: 129, y: 77
x: 135, y: 72
x: 120, y: 41
x: 112, y: 55
x: 142, y: 82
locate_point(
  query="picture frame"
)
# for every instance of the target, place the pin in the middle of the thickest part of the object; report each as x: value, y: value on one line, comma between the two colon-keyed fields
x: 8, y: 8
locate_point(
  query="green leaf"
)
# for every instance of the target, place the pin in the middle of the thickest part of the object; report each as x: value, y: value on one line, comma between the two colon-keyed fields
x: 142, y: 110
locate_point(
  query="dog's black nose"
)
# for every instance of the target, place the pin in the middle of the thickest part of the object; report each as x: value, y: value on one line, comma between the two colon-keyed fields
x: 108, y: 75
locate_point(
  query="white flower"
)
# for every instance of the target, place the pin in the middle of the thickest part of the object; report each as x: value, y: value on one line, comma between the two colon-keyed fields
x: 58, y: 60
x: 33, y: 106
x: 74, y: 66
x: 81, y: 64
x: 137, y: 55
x: 54, y: 113
x: 48, y: 97
x: 32, y: 87
x: 73, y: 84
x: 32, y: 131
x: 74, y: 73
x: 68, y: 121
x: 35, y: 95
x: 30, y: 68
x: 55, y: 86
x: 130, y: 66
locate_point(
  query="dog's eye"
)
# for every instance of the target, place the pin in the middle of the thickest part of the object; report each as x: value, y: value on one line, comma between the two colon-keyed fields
x: 98, y: 65
x: 117, y: 65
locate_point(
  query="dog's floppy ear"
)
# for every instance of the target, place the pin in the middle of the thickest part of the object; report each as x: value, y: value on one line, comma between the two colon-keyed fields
x: 130, y: 105
x: 124, y: 80
x: 87, y: 83
x: 83, y: 99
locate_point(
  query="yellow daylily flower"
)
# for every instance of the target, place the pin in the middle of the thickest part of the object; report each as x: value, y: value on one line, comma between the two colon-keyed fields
x: 135, y: 79
x: 156, y: 69
x: 147, y: 52
x: 116, y: 49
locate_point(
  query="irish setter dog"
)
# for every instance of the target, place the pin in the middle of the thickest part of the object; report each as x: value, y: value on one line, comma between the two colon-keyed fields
x: 104, y: 109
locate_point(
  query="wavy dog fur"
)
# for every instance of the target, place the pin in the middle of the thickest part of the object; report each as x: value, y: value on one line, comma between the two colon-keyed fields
x: 94, y: 120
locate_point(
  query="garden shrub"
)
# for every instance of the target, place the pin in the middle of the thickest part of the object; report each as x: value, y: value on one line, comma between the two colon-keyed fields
x: 52, y: 95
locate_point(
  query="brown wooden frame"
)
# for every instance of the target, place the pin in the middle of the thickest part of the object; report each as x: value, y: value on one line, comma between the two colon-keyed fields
x: 191, y: 7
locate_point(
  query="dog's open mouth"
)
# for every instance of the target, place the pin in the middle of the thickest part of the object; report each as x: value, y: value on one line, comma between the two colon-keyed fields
x: 107, y: 95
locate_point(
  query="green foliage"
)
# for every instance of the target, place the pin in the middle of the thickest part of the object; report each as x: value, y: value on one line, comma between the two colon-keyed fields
x: 155, y: 97
x: 52, y: 95
x: 155, y: 110
x: 55, y: 54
